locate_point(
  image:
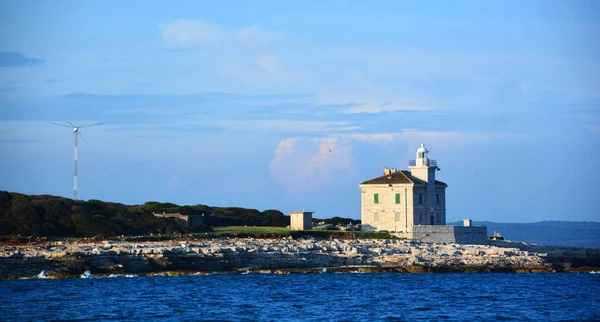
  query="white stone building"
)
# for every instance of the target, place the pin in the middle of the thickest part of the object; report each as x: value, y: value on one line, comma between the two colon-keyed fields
x: 301, y: 220
x: 401, y: 199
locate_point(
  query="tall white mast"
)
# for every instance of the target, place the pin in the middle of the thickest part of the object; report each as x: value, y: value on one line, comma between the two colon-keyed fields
x: 75, y: 151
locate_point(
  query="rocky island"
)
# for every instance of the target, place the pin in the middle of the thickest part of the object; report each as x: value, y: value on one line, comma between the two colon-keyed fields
x: 76, y: 240
x: 72, y: 258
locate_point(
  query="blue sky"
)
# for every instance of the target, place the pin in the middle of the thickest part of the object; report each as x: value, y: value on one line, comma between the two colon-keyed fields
x: 289, y: 106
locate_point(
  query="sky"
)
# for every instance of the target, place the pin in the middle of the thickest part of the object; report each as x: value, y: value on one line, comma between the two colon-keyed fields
x: 289, y: 105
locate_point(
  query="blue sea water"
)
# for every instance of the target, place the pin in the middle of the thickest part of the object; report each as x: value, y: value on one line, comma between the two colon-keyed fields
x: 299, y: 297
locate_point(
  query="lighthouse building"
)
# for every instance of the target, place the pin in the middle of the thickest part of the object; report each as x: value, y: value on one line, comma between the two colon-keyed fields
x: 400, y: 199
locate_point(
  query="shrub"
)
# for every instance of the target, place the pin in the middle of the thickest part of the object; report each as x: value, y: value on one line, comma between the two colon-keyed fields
x: 326, y: 227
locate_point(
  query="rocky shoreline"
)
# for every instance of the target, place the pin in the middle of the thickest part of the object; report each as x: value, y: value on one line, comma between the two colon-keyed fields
x: 62, y: 259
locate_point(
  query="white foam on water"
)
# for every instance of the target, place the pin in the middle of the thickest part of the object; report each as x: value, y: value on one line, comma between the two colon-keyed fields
x: 121, y: 275
x: 86, y: 274
x: 324, y: 270
x: 42, y: 274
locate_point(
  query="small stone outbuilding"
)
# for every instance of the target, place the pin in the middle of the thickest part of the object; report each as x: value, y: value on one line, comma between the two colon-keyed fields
x: 301, y: 220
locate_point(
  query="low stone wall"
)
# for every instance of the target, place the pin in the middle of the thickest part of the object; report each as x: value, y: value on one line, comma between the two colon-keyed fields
x: 451, y: 234
x: 192, y: 221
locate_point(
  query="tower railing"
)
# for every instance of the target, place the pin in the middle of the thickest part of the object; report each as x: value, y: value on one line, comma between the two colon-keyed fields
x: 425, y: 162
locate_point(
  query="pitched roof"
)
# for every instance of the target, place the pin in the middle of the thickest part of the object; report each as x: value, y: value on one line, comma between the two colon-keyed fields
x: 401, y: 176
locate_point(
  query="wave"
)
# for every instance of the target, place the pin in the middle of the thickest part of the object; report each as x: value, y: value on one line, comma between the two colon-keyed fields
x: 121, y: 275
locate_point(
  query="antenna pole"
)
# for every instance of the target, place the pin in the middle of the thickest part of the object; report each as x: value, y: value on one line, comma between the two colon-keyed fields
x: 76, y: 131
x: 75, y: 150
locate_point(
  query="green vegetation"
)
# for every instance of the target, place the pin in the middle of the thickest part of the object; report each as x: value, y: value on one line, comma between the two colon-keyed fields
x: 224, y: 216
x: 337, y: 221
x: 57, y: 217
x: 280, y: 232
x: 251, y: 230
x: 51, y: 216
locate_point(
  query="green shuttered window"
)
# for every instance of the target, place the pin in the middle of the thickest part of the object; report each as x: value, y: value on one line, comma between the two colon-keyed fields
x: 397, y: 198
x: 376, y: 198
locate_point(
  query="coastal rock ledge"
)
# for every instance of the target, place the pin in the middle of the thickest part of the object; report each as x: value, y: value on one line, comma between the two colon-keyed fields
x: 285, y: 255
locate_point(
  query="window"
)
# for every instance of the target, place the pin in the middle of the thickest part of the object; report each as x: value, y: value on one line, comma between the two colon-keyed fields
x: 397, y: 198
x: 397, y: 216
x: 375, y: 217
x: 420, y: 216
x: 376, y: 198
x: 438, y: 198
x: 420, y: 199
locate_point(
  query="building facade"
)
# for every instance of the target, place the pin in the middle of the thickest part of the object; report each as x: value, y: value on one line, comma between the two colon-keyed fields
x: 301, y: 220
x: 401, y: 199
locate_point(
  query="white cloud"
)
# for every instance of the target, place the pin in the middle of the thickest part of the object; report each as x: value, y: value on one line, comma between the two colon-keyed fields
x: 433, y: 64
x: 307, y: 163
x: 525, y: 88
x: 250, y: 55
x: 269, y: 62
x: 377, y: 107
x: 372, y: 79
x: 374, y: 101
x: 373, y: 137
x: 259, y: 125
x: 442, y: 140
x: 254, y: 35
x: 302, y: 163
x: 189, y: 33
x: 285, y: 147
x: 331, y: 152
x: 454, y: 138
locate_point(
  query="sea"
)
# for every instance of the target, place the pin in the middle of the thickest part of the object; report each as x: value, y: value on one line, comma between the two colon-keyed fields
x: 306, y: 297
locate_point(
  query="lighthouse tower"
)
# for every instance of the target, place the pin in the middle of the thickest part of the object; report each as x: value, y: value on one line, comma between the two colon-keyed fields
x: 424, y: 168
